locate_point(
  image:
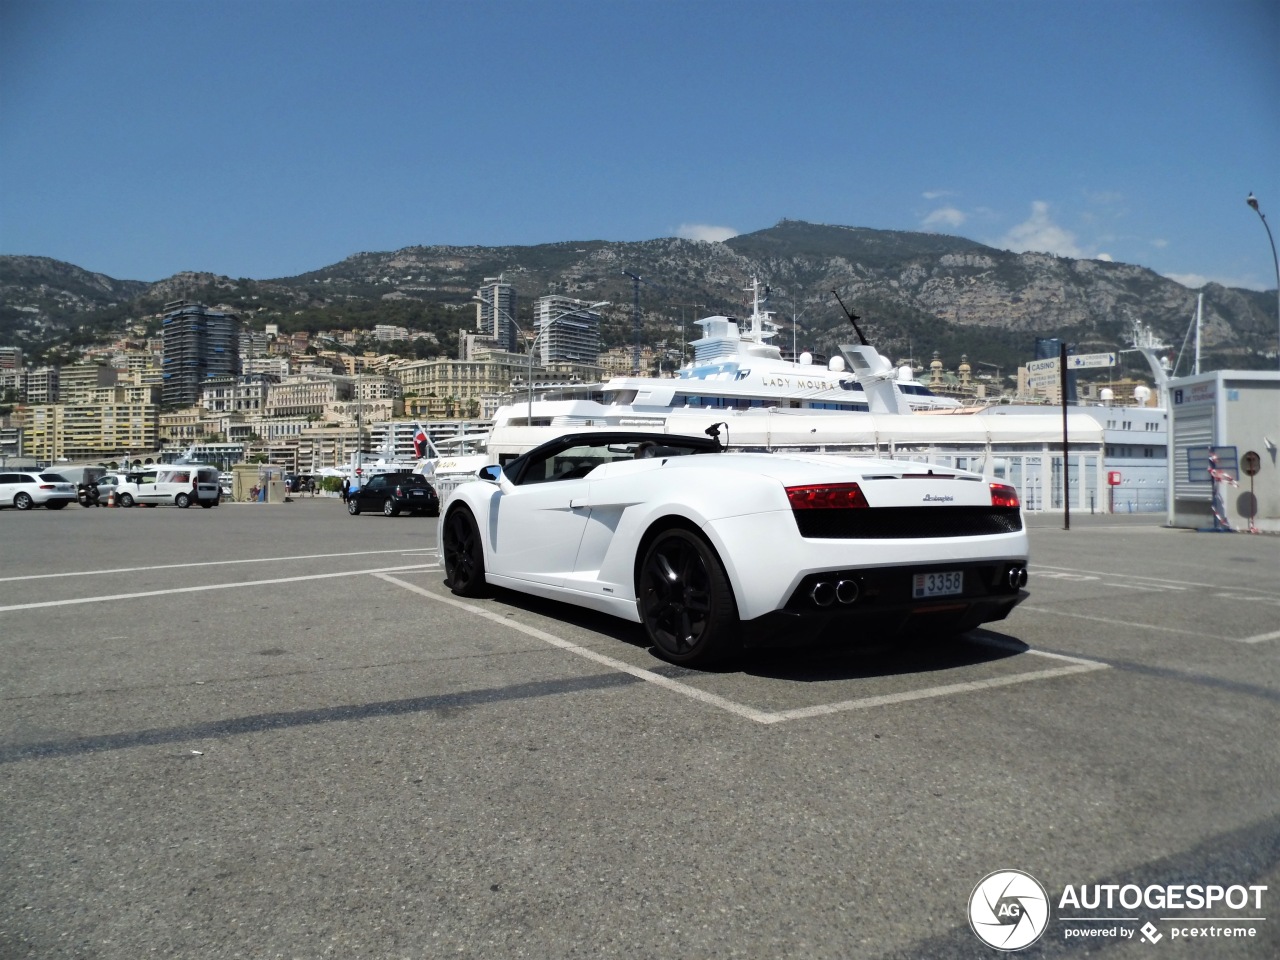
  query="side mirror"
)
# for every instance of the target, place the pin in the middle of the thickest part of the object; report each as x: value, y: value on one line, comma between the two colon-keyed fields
x: 493, y: 473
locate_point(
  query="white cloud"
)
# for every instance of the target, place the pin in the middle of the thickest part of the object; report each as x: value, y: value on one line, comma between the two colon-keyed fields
x: 703, y: 231
x: 1040, y: 234
x: 944, y: 217
x: 937, y: 194
x: 1105, y: 257
x: 1193, y: 280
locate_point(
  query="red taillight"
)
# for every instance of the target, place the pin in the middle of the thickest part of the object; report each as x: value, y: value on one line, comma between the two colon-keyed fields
x: 1003, y: 495
x: 826, y: 496
x: 398, y: 493
x: 47, y: 486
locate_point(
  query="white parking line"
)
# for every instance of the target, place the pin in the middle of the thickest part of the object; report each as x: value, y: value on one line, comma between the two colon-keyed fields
x: 1262, y: 637
x: 1110, y: 620
x: 1075, y: 665
x: 1147, y: 626
x: 207, y: 586
x: 216, y: 563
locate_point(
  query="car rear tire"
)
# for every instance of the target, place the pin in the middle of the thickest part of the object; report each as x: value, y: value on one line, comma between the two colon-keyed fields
x: 55, y: 504
x: 353, y: 508
x: 389, y: 508
x: 22, y: 501
x: 125, y: 500
x: 686, y: 601
x: 463, y: 554
x: 183, y: 500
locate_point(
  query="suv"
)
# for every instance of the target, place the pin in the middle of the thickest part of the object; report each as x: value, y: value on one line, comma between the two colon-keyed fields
x: 393, y: 493
x: 22, y: 491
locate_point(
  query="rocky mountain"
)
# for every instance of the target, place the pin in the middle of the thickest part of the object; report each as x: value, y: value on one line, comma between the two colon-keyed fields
x: 916, y: 293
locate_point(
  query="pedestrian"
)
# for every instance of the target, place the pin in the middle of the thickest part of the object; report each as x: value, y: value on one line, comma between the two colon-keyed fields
x: 346, y: 488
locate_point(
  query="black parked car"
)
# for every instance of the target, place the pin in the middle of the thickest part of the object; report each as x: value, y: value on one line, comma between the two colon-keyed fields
x: 395, y: 493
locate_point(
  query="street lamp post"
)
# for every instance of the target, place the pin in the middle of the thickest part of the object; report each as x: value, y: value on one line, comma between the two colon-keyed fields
x: 356, y: 401
x: 1253, y: 202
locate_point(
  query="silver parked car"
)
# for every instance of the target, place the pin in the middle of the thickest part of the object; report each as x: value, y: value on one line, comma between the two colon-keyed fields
x: 22, y: 491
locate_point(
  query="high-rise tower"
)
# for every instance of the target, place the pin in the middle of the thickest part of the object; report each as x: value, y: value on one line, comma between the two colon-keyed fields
x: 496, y: 311
x: 199, y: 343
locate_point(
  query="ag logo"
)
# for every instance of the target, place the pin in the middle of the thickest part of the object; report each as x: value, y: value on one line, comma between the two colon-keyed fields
x: 1008, y: 910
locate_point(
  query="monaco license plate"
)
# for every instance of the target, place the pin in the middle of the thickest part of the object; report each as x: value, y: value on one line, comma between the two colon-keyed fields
x: 946, y: 583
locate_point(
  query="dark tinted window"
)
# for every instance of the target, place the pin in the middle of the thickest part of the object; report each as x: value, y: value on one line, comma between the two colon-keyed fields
x: 53, y: 478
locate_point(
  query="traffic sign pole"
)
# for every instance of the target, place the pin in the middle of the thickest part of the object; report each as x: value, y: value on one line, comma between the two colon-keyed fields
x: 1062, y: 387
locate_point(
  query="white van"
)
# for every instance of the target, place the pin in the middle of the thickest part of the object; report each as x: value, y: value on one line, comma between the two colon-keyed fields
x: 181, y: 484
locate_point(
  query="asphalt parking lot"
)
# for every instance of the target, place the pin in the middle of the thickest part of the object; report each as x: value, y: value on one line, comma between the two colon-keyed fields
x: 270, y: 731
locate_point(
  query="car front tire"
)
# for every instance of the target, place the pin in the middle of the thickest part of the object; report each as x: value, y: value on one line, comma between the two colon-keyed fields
x: 22, y: 501
x: 182, y: 500
x: 353, y: 508
x: 463, y: 554
x: 686, y: 601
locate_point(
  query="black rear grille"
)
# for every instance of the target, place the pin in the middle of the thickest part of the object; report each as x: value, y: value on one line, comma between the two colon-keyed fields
x: 906, y: 523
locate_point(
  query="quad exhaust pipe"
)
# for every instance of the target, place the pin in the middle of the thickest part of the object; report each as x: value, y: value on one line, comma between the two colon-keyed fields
x: 827, y: 592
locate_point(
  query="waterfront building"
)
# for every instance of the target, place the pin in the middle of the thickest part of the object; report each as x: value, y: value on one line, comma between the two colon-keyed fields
x: 199, y: 343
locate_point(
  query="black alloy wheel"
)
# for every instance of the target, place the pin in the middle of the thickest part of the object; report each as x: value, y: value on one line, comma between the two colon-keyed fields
x: 686, y: 602
x: 463, y: 554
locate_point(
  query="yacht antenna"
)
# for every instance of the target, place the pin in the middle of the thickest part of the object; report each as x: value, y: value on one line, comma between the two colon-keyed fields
x: 853, y: 318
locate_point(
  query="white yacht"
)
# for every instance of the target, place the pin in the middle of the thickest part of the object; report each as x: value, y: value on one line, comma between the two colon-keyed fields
x: 736, y: 366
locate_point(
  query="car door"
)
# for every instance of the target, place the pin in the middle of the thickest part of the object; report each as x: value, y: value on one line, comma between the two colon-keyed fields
x: 371, y: 494
x: 8, y: 484
x: 534, y: 531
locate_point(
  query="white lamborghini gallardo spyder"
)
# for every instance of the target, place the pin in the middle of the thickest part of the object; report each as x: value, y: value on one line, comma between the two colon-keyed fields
x: 710, y: 549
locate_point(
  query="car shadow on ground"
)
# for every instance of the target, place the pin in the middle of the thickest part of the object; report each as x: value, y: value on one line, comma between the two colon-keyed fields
x: 826, y: 660
x: 813, y: 661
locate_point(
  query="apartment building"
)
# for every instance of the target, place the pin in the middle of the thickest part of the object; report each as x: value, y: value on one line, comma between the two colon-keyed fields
x: 306, y: 396
x: 87, y: 431
x: 496, y: 304
x: 246, y: 394
x: 567, y: 331
x: 199, y: 343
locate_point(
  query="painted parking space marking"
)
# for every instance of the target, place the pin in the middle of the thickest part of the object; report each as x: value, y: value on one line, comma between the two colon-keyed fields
x: 1262, y: 637
x: 1111, y: 621
x: 425, y: 552
x: 1069, y: 665
x: 73, y: 601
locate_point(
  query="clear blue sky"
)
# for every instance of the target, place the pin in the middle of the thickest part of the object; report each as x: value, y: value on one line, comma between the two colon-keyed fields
x: 264, y: 139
